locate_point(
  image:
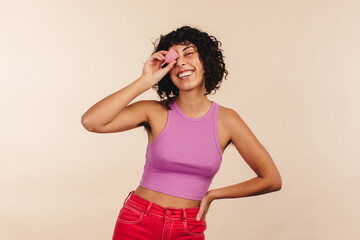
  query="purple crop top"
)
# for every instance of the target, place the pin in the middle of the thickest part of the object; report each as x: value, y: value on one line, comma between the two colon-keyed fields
x: 183, y: 160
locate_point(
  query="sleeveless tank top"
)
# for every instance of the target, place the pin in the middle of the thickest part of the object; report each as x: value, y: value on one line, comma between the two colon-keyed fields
x: 183, y: 160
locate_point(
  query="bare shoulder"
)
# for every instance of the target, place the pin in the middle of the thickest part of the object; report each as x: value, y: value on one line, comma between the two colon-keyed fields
x: 150, y: 105
x: 155, y: 111
x: 155, y: 105
x: 239, y: 132
x: 230, y: 120
x: 227, y: 115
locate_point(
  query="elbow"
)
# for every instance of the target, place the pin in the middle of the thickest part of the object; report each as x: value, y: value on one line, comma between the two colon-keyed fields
x: 86, y: 124
x: 276, y: 184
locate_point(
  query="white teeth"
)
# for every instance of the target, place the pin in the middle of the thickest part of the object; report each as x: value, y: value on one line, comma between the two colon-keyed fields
x: 184, y: 74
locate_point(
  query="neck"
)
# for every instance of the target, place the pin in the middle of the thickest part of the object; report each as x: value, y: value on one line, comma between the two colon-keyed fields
x: 194, y: 106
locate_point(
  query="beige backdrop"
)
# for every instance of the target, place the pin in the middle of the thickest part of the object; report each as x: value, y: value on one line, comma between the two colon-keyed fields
x: 293, y: 77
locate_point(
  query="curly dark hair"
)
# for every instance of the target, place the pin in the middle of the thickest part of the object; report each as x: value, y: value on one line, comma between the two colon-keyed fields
x: 210, y: 56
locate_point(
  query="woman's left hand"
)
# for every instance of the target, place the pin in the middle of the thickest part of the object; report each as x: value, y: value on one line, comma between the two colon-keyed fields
x: 204, y: 207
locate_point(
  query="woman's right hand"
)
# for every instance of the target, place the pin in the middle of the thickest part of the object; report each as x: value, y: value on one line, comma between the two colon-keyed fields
x: 152, y: 70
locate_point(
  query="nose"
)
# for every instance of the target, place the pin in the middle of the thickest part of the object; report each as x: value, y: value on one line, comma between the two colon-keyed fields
x: 179, y: 62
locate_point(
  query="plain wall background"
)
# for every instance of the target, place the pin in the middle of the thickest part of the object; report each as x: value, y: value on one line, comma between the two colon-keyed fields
x: 293, y: 78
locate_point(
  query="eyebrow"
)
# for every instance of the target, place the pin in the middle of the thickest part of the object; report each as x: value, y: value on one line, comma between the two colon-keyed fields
x: 188, y: 47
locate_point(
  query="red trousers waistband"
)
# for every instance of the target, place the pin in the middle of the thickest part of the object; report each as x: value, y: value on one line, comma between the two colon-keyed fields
x: 143, y: 205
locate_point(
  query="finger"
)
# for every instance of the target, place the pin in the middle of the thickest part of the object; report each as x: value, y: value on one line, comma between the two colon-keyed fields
x: 171, y: 64
x: 156, y: 57
x: 168, y: 66
x: 159, y: 58
x: 157, y: 54
x: 162, y: 57
x: 162, y: 52
x: 199, y: 215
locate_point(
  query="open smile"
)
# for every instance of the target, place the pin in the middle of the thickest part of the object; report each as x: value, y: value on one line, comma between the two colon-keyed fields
x: 185, y: 74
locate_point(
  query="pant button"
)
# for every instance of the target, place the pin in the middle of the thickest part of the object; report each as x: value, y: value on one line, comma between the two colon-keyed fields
x: 168, y: 212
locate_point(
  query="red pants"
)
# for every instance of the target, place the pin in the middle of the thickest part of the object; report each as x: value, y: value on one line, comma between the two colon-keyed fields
x: 140, y: 219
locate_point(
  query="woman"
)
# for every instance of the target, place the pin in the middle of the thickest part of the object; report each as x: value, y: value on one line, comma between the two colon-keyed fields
x: 187, y: 135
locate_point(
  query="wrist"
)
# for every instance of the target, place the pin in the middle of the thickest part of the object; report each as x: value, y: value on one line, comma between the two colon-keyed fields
x: 145, y: 81
x: 211, y: 195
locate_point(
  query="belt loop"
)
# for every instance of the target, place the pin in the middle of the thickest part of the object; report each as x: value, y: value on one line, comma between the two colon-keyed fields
x: 183, y: 215
x: 148, y: 208
x: 127, y: 197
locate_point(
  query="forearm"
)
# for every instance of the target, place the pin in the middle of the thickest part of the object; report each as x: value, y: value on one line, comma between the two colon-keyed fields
x: 252, y: 187
x: 108, y: 108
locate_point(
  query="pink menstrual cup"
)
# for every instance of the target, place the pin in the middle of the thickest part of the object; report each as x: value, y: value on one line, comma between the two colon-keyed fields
x: 170, y: 56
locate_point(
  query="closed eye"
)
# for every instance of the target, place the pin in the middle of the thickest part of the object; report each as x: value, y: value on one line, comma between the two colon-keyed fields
x: 188, y: 53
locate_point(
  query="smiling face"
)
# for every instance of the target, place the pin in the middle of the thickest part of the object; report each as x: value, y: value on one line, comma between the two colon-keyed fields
x: 188, y: 71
